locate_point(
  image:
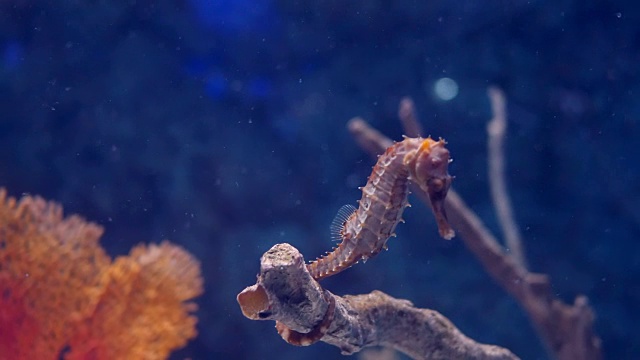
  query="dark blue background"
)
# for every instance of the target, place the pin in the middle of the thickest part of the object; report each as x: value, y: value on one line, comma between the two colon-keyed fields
x: 221, y: 126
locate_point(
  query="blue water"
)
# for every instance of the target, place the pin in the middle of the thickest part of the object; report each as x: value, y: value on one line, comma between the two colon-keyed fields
x: 220, y: 125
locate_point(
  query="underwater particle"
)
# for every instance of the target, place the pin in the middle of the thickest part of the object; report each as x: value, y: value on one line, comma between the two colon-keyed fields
x: 445, y: 89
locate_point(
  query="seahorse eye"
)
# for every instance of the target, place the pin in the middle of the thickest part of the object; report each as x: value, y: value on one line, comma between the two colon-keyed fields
x: 436, y: 184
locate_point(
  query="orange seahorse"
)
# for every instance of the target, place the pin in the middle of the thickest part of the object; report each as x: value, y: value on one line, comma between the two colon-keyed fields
x: 364, y: 231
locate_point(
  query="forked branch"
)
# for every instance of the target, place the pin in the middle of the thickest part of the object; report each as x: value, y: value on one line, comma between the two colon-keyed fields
x: 306, y: 313
x: 565, y: 329
x: 287, y: 293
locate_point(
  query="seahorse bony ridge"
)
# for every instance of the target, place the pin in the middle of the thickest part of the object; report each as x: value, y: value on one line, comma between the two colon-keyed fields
x: 366, y: 231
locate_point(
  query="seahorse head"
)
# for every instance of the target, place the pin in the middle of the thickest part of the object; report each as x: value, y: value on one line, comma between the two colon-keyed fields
x: 431, y: 167
x: 428, y: 167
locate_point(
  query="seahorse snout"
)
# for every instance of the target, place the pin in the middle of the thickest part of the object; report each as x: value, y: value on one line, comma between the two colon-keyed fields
x: 430, y: 171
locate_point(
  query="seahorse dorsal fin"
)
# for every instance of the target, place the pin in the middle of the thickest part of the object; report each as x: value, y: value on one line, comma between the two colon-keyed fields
x: 337, y: 225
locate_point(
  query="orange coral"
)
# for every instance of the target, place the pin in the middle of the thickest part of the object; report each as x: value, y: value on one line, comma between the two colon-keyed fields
x: 62, y: 296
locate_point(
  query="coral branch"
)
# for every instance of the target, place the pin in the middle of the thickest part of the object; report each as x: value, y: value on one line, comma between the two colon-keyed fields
x: 61, y: 296
x: 566, y: 330
x: 369, y: 139
x: 496, y: 130
x: 409, y: 118
x: 287, y: 293
x: 305, y: 313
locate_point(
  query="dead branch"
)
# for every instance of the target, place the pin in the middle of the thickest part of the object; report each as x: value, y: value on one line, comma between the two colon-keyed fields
x: 409, y: 118
x: 566, y: 330
x: 286, y: 292
x: 496, y: 130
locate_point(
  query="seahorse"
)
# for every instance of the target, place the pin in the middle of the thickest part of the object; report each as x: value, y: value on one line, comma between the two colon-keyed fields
x: 364, y: 231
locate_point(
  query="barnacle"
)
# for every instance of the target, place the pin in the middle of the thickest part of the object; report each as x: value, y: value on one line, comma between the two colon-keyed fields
x: 61, y: 296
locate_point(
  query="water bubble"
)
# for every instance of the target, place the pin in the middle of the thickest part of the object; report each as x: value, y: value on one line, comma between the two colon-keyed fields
x: 445, y: 89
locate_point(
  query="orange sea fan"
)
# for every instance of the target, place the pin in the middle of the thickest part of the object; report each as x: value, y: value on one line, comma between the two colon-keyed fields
x: 61, y: 296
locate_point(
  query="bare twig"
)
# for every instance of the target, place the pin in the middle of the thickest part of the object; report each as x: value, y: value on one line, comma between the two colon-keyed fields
x: 383, y: 353
x: 496, y: 130
x: 286, y: 292
x: 566, y: 330
x: 408, y: 118
x: 372, y: 140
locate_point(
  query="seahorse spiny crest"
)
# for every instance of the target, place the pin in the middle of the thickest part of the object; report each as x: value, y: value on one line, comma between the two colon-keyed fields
x: 365, y: 232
